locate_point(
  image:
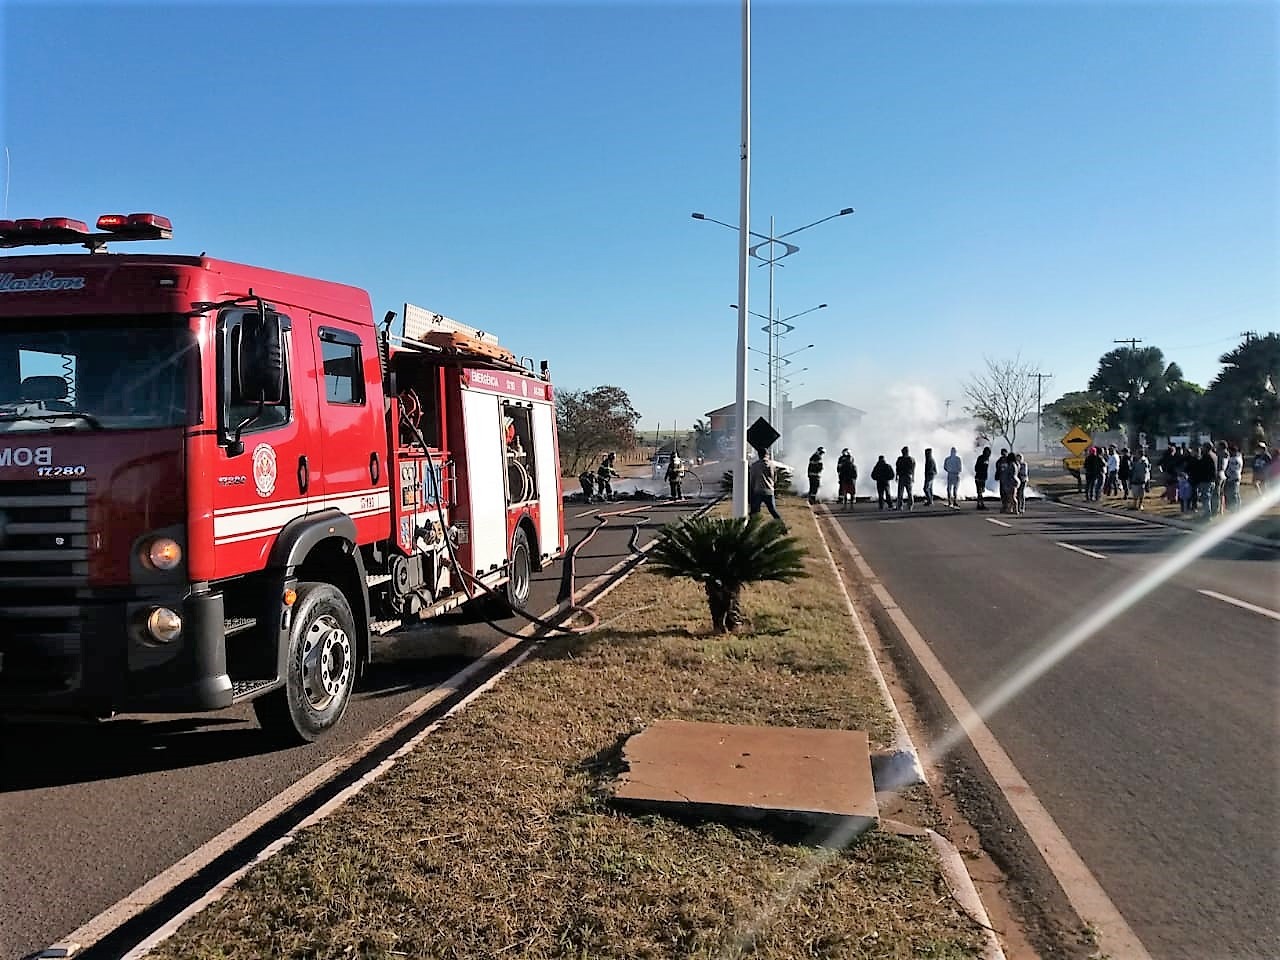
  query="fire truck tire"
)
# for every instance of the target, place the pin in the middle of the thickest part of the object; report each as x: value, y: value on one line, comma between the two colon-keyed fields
x: 321, y: 668
x: 520, y: 579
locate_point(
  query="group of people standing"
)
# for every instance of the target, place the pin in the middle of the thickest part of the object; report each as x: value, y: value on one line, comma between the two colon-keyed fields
x: 1201, y: 479
x: 895, y: 482
x: 1117, y: 473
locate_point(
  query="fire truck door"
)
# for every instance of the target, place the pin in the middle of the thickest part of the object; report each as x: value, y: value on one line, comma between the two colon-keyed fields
x: 352, y: 423
x: 256, y: 493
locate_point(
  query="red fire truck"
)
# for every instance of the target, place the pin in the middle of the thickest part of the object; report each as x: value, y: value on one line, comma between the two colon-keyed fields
x: 218, y: 482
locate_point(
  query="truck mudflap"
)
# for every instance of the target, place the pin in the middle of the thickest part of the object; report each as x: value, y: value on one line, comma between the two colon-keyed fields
x: 112, y: 668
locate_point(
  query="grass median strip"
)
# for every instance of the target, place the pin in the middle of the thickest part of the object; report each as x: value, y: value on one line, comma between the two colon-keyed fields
x: 496, y: 837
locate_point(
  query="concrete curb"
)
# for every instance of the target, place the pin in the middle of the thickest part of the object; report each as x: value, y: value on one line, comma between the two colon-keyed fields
x: 1245, y: 538
x: 902, y: 768
x: 965, y: 893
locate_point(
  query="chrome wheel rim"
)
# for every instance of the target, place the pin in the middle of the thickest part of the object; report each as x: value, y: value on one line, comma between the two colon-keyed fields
x: 520, y: 573
x: 326, y: 662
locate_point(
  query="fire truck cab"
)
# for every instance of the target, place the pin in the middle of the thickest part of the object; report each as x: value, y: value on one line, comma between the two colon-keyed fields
x: 218, y: 481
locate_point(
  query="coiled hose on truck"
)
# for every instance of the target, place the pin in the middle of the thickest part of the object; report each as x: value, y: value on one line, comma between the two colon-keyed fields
x: 568, y: 579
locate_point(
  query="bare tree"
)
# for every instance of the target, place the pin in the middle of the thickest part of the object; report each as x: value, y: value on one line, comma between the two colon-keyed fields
x: 1002, y: 396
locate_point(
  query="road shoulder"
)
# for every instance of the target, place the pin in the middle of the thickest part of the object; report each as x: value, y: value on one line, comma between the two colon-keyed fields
x: 1020, y: 886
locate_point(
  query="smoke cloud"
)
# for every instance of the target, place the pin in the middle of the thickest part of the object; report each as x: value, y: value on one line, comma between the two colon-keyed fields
x: 906, y: 415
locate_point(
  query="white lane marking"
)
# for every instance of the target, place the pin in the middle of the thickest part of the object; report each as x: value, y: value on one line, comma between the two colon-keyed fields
x: 163, y: 883
x: 998, y: 523
x: 1073, y: 875
x: 1107, y: 513
x: 1087, y: 553
x: 1243, y: 605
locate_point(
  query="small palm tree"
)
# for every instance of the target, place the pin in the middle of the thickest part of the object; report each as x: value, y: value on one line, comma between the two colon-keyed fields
x: 726, y: 554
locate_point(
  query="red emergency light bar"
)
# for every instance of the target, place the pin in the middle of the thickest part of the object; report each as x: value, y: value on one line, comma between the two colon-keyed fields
x: 62, y: 230
x: 134, y: 223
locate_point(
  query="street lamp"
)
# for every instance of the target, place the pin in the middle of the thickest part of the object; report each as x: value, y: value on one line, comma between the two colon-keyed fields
x: 771, y: 241
x: 773, y: 348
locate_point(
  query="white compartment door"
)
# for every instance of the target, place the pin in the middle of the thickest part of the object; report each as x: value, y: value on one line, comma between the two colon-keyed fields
x: 548, y: 478
x: 482, y: 421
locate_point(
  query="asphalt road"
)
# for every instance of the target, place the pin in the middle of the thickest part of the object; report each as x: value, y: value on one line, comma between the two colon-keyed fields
x: 1154, y: 744
x: 88, y: 814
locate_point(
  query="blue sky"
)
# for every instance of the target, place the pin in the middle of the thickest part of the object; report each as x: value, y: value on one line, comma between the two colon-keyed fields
x: 1034, y: 178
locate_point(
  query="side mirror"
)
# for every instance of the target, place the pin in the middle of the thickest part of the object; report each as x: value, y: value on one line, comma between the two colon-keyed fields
x: 261, y: 358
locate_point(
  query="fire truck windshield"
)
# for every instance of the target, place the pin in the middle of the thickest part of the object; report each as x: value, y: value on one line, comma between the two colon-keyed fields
x: 96, y: 374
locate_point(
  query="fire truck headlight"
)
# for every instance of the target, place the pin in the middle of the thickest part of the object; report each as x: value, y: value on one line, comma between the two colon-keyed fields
x: 162, y: 554
x: 164, y: 625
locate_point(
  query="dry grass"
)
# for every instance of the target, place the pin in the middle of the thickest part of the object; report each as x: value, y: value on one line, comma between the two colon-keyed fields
x: 496, y: 837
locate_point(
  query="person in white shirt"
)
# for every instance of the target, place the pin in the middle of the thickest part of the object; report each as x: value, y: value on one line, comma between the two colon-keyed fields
x: 1113, y: 473
x: 1231, y: 475
x: 952, y: 467
x: 1138, y: 477
x: 1021, y: 474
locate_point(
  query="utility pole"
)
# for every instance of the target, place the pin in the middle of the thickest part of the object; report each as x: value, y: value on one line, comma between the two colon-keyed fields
x: 1040, y: 379
x: 1133, y: 421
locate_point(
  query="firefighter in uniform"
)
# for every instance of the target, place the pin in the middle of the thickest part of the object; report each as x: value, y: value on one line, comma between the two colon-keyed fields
x: 675, y: 476
x: 815, y: 473
x: 604, y: 477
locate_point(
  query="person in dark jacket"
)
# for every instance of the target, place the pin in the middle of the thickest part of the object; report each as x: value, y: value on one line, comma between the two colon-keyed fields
x: 1125, y: 471
x: 905, y: 470
x: 882, y: 474
x: 604, y: 478
x: 815, y: 473
x: 980, y: 468
x: 847, y: 474
x: 930, y: 471
x: 1206, y: 481
x: 1094, y: 467
x: 588, y: 481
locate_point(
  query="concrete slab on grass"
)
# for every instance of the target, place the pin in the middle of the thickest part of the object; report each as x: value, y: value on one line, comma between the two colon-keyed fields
x: 750, y: 772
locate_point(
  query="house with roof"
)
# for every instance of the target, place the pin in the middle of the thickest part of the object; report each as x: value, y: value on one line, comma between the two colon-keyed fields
x: 829, y: 415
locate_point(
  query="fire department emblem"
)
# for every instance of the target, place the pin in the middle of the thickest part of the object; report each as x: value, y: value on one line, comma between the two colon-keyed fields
x: 264, y: 469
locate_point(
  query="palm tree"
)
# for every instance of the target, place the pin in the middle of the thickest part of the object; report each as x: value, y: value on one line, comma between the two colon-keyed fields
x: 702, y: 444
x: 726, y: 554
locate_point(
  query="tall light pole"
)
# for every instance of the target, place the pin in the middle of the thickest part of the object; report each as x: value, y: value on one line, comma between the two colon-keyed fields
x: 773, y: 241
x: 1133, y: 389
x: 1040, y: 379
x: 744, y: 232
x: 771, y: 330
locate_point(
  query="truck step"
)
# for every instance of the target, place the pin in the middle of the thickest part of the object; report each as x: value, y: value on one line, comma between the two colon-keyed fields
x: 379, y: 627
x: 376, y: 579
x: 243, y: 689
x: 233, y: 625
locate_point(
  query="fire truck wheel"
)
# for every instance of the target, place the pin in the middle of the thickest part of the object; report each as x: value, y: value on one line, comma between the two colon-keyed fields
x: 321, y: 671
x: 521, y: 578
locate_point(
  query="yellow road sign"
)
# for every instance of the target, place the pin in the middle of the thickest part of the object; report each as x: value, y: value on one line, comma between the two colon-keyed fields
x: 1073, y: 463
x: 1077, y: 441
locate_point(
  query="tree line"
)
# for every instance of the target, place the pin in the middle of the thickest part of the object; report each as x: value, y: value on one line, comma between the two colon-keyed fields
x: 1138, y: 390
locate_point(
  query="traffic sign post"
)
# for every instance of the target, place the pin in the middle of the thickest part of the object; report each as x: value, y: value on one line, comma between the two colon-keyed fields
x: 1077, y: 441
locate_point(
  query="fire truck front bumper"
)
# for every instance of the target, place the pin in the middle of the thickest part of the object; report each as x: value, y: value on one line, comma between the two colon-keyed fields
x: 99, y: 655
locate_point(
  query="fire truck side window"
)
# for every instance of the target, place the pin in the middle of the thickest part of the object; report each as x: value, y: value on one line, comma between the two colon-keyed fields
x: 340, y: 353
x: 522, y: 482
x: 238, y: 412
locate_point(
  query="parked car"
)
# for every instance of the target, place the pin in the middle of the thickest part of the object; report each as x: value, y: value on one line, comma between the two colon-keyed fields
x: 660, y: 463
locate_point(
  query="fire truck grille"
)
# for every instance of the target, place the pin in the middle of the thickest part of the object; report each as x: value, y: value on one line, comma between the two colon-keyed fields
x: 43, y: 561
